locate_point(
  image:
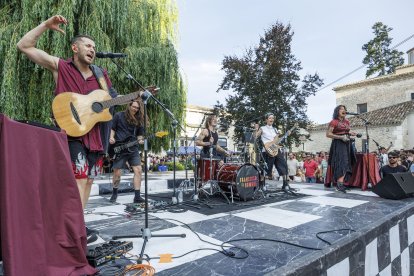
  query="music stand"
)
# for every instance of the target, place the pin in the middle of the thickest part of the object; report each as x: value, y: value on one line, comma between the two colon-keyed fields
x: 146, y: 232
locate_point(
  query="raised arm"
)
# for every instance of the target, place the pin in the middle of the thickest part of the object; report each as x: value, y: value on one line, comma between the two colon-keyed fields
x: 27, y: 44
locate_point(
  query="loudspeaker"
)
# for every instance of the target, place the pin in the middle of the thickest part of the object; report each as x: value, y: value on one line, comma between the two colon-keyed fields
x: 395, y: 186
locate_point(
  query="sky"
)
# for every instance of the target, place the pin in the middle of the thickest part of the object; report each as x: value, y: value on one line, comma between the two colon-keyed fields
x: 328, y: 37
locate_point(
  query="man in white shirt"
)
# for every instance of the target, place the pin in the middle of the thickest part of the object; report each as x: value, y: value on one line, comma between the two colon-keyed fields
x: 293, y: 166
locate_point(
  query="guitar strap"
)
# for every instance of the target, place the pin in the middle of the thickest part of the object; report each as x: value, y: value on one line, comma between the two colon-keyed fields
x: 105, y: 127
x: 99, y: 75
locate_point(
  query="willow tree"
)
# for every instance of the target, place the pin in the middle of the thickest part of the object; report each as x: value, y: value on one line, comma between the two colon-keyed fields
x: 144, y: 29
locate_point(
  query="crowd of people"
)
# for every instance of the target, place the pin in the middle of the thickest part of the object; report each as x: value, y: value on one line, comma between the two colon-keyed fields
x: 313, y: 167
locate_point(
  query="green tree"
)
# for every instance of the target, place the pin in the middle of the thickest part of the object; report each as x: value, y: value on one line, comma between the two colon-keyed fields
x: 266, y: 79
x: 144, y: 29
x: 380, y: 58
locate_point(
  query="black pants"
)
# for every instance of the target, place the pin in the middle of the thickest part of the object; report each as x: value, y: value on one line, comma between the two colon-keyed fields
x: 278, y: 161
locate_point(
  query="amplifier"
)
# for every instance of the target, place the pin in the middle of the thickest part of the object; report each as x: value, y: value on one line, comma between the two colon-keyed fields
x: 101, y: 253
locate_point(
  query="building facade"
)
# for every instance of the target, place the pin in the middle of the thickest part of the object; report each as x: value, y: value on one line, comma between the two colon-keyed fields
x: 386, y: 103
x: 195, y: 121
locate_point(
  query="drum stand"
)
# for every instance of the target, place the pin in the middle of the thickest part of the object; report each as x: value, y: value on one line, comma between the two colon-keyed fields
x: 212, y: 185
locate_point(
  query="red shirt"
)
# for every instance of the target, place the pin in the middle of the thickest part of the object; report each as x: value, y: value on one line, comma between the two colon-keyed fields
x: 310, y: 168
x: 340, y: 127
x: 70, y: 79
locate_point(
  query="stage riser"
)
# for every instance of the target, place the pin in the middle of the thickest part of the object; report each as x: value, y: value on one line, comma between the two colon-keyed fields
x: 366, y: 252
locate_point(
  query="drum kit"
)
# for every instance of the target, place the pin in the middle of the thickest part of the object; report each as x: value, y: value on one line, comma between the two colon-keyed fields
x: 239, y: 180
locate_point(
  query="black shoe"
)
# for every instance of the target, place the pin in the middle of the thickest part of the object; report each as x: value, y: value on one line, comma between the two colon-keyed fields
x: 91, y: 231
x: 91, y: 238
x: 340, y: 188
x: 139, y: 200
x: 113, y: 198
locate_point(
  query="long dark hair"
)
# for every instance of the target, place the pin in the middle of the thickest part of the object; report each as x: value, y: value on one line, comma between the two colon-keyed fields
x: 138, y: 119
x: 209, y: 119
x: 336, y: 111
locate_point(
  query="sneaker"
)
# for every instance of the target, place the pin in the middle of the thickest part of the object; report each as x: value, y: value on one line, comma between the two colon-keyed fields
x: 139, y: 200
x: 91, y: 238
x: 113, y: 198
x: 340, y: 188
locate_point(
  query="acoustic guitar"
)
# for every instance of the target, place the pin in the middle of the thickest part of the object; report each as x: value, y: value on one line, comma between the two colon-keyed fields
x: 77, y: 113
x: 127, y: 146
x: 272, y: 147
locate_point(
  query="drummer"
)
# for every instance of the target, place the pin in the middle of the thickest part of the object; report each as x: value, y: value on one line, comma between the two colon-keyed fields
x: 208, y: 139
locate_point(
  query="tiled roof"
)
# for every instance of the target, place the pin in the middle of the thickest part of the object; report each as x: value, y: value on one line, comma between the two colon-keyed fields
x: 391, y: 115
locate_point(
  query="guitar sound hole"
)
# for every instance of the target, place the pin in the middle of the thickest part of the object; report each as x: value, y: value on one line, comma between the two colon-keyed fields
x: 97, y: 107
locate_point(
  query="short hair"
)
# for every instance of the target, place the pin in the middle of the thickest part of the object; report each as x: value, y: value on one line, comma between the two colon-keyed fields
x: 267, y: 115
x: 393, y: 153
x: 79, y: 37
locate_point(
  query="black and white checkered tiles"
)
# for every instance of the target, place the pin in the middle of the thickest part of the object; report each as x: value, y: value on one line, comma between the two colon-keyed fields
x: 390, y: 253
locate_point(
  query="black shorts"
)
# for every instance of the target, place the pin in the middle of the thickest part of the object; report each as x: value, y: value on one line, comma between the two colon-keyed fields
x: 133, y: 159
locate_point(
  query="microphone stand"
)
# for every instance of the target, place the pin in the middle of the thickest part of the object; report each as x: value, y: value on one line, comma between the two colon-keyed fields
x: 366, y: 122
x: 195, y: 196
x: 146, y: 232
x: 174, y: 197
x: 262, y: 168
x: 381, y: 160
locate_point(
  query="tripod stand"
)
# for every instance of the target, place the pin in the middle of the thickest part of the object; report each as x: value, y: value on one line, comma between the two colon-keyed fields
x: 186, y: 183
x: 146, y: 232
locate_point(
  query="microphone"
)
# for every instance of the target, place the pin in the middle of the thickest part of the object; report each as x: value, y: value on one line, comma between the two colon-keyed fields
x: 352, y: 113
x: 110, y: 55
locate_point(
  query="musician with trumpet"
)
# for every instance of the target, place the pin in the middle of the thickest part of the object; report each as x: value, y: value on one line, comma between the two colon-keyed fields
x: 271, y: 152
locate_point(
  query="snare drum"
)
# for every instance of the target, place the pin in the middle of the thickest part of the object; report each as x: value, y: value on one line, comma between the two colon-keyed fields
x: 243, y: 179
x: 203, y: 169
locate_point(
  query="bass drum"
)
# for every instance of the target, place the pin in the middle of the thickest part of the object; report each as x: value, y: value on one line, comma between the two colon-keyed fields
x: 243, y: 179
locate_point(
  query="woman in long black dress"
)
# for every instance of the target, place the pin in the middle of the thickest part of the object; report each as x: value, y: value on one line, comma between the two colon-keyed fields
x: 341, y: 154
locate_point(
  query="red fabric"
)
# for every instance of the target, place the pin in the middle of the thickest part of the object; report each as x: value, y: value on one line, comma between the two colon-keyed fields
x: 310, y: 168
x: 360, y: 176
x: 71, y: 80
x: 42, y: 230
x: 340, y: 127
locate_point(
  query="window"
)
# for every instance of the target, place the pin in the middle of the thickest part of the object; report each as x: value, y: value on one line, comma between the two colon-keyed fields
x: 412, y: 96
x: 362, y: 108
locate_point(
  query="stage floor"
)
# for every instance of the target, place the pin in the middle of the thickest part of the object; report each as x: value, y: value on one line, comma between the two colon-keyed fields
x: 272, y: 221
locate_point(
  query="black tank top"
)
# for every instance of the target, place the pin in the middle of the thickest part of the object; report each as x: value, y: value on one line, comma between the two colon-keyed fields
x: 206, y: 149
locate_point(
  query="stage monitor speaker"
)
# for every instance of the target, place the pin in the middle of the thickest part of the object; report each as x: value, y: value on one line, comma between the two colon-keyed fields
x: 395, y: 186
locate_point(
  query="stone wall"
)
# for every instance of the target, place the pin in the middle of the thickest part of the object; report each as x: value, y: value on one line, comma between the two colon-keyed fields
x: 376, y: 95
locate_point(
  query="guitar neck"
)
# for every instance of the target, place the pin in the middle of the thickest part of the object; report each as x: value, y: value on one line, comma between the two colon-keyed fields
x: 121, y: 100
